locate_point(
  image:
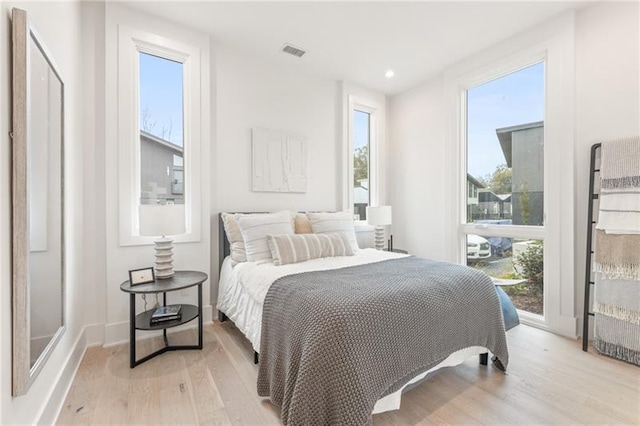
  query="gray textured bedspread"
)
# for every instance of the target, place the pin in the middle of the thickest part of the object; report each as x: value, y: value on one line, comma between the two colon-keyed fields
x: 334, y: 342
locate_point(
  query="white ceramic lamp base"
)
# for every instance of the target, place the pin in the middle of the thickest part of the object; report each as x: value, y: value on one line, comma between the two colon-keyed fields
x: 378, y: 238
x: 164, y: 258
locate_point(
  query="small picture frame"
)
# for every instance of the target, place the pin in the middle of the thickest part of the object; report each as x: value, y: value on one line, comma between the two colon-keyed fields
x: 141, y: 276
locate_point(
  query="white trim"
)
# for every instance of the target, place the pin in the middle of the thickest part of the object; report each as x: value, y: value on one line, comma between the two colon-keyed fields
x: 369, y: 101
x: 358, y: 103
x: 130, y: 43
x: 55, y: 400
x: 552, y: 42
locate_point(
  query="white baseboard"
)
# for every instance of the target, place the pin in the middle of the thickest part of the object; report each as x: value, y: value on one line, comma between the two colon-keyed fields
x: 569, y: 327
x: 94, y: 334
x: 118, y: 332
x: 53, y: 405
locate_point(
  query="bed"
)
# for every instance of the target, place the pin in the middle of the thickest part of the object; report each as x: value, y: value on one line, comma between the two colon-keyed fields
x: 344, y: 336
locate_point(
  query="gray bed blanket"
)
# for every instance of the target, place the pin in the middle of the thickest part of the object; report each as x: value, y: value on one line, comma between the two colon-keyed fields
x: 334, y: 342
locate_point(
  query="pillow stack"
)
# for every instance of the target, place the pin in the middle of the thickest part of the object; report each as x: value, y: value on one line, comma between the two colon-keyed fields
x: 286, y: 238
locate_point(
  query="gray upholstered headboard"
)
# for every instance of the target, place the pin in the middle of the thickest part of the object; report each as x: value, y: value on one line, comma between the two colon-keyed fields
x: 224, y: 248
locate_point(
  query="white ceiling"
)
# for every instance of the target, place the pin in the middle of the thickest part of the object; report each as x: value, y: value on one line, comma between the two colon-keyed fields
x: 358, y: 42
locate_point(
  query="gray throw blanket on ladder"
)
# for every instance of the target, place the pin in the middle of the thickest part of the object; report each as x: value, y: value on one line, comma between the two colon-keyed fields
x: 617, y: 252
x: 334, y: 342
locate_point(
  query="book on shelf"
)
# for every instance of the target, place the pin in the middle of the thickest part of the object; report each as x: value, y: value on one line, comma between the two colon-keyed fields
x: 166, y: 311
x: 166, y: 318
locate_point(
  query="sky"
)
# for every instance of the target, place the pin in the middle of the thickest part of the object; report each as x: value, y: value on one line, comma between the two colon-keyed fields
x: 517, y: 98
x: 360, y: 129
x: 161, y: 95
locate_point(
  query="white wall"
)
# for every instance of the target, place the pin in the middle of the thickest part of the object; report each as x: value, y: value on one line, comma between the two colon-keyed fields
x: 253, y: 93
x: 417, y: 171
x: 63, y: 41
x: 94, y: 173
x: 607, y: 98
x: 606, y: 105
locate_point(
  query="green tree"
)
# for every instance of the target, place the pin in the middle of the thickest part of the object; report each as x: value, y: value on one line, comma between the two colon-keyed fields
x: 531, y: 261
x: 360, y: 164
x: 499, y: 182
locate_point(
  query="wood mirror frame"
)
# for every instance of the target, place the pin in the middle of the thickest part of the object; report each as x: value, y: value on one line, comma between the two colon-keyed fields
x: 38, y: 204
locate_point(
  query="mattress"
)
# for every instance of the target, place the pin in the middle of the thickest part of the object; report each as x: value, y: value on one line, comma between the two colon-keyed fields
x: 243, y: 288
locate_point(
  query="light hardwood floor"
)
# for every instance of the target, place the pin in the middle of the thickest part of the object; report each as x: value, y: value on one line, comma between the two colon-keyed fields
x: 550, y: 381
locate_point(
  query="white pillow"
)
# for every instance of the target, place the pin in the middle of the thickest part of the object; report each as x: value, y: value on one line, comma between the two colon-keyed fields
x: 256, y: 228
x: 322, y: 223
x: 287, y: 249
x: 236, y: 243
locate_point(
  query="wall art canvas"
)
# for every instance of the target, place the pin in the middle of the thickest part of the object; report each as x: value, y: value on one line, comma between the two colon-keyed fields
x: 279, y: 161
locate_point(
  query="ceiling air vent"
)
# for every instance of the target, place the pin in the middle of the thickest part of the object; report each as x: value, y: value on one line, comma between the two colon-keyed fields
x: 292, y: 50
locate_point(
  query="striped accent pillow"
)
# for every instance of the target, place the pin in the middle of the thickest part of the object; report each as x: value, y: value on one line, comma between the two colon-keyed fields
x: 287, y: 249
x: 321, y: 223
x: 255, y: 228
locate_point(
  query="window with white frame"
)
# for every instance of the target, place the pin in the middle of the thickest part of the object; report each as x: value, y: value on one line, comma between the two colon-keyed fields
x: 532, y: 226
x: 159, y: 129
x: 362, y: 183
x: 504, y: 143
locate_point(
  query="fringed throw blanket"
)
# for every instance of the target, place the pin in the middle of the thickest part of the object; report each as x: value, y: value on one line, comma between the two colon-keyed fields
x: 617, y: 338
x: 617, y: 252
x: 619, y: 212
x: 620, y: 166
x: 334, y: 342
x: 618, y: 256
x: 618, y: 299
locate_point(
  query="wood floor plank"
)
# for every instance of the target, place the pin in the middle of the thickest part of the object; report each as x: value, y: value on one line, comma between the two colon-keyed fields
x: 239, y: 401
x: 206, y: 400
x: 84, y: 395
x: 115, y: 385
x: 550, y: 380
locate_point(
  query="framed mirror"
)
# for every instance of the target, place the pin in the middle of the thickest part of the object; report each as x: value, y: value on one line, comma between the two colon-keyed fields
x: 38, y: 204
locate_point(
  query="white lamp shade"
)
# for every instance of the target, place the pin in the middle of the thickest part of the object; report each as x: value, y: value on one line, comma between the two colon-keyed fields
x: 160, y: 220
x: 379, y: 216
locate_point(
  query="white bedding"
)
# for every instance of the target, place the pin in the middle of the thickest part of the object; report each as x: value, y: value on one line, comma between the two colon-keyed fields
x: 243, y: 288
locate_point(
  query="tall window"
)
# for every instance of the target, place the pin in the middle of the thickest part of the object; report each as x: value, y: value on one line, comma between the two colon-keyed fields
x: 505, y: 210
x: 161, y: 107
x: 162, y: 98
x: 361, y: 162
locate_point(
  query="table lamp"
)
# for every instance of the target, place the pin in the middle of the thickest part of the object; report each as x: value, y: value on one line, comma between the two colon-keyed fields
x: 162, y: 220
x: 379, y: 217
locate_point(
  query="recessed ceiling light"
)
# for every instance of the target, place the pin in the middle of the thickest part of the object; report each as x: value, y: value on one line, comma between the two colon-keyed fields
x: 389, y: 74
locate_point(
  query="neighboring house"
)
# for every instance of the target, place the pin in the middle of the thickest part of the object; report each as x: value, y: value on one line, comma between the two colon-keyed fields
x: 494, y: 206
x: 473, y: 185
x: 162, y: 170
x: 523, y: 149
x: 361, y: 198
